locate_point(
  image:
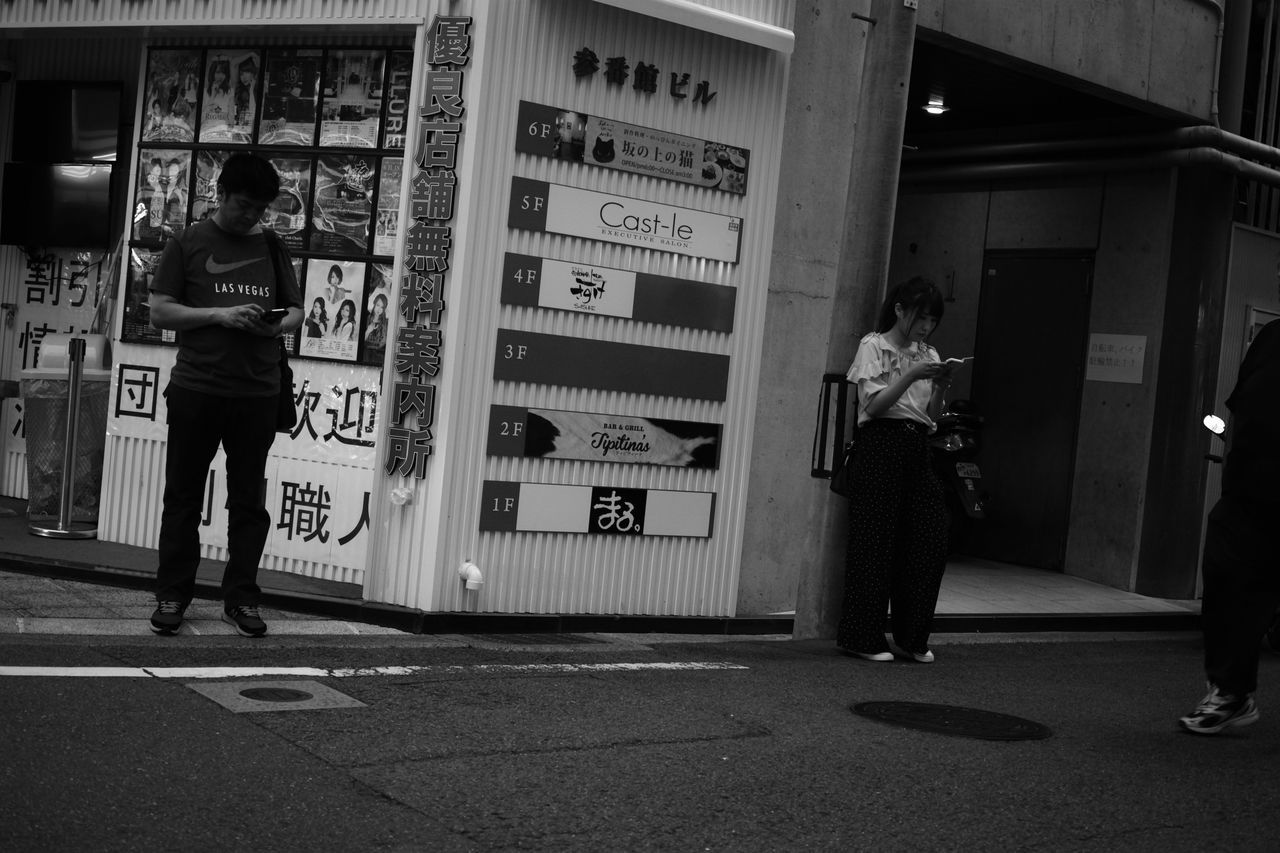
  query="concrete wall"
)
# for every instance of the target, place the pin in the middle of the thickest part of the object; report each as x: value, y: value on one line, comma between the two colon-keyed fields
x: 940, y: 235
x: 785, y: 503
x: 1158, y: 51
x: 1125, y: 220
x: 1112, y: 449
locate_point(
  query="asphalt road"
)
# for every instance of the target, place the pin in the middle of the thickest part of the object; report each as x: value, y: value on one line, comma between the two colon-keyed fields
x: 618, y: 744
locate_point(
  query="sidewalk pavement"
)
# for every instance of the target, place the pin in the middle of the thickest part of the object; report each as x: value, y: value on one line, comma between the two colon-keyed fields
x: 95, y: 587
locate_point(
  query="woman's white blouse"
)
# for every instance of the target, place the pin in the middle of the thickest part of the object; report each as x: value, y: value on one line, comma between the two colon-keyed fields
x: 879, y: 364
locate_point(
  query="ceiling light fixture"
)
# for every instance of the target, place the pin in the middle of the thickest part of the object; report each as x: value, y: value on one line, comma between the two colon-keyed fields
x: 936, y: 106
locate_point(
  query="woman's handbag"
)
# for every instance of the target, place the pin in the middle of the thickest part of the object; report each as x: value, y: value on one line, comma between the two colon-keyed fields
x: 842, y: 475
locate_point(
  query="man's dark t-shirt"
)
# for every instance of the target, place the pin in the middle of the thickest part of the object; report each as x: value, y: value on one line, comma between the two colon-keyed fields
x: 1252, y: 468
x: 208, y: 267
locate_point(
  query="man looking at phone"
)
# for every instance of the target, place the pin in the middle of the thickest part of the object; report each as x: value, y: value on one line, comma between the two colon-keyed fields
x: 215, y: 285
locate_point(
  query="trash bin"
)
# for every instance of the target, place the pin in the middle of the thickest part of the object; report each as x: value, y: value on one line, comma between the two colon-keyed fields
x: 46, y: 396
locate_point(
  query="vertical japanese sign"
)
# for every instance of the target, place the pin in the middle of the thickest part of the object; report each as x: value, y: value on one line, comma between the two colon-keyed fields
x: 429, y: 237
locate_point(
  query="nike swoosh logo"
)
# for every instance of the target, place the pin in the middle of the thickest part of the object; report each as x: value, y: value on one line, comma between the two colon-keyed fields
x: 213, y: 267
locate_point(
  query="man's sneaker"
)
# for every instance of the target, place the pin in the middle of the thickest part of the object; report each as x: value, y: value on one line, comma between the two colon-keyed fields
x: 167, y: 618
x: 245, y: 620
x: 1218, y: 711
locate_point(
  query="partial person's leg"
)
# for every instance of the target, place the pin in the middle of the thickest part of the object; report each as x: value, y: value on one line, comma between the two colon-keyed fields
x: 249, y: 435
x: 923, y: 558
x: 1240, y: 571
x: 192, y: 442
x: 874, y: 510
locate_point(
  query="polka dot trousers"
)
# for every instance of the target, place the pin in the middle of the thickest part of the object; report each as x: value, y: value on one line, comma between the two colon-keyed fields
x: 897, y: 540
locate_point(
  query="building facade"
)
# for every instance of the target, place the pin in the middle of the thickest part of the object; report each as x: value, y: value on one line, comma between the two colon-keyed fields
x: 619, y: 244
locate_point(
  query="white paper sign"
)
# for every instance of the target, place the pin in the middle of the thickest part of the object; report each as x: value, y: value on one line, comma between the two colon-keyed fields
x: 1116, y: 358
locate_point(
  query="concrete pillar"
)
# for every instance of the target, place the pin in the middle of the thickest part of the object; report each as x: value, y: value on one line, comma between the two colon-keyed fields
x: 864, y: 264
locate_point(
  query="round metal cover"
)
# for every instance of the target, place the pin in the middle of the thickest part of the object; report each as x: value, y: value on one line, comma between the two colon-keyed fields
x: 276, y: 694
x: 952, y: 720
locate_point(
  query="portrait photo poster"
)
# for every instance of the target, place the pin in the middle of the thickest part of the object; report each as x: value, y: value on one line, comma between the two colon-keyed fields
x: 351, y: 98
x: 204, y: 203
x: 377, y: 315
x: 333, y: 309
x: 163, y: 175
x: 290, y: 91
x: 343, y: 205
x: 172, y: 96
x: 287, y: 215
x: 229, y: 96
x: 387, y: 226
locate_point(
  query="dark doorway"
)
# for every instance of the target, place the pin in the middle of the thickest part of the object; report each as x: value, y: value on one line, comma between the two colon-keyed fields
x: 1028, y: 371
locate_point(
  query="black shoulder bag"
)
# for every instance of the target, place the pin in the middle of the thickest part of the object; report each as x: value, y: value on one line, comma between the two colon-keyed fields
x: 286, y: 409
x: 842, y: 473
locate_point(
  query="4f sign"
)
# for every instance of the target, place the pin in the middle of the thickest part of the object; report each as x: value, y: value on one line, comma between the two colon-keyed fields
x: 557, y: 209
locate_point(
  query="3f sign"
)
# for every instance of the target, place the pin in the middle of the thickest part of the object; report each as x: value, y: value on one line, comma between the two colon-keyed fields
x: 535, y: 203
x: 518, y: 351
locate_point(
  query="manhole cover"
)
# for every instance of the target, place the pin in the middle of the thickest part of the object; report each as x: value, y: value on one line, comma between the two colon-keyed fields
x: 951, y: 720
x: 243, y: 697
x: 275, y: 694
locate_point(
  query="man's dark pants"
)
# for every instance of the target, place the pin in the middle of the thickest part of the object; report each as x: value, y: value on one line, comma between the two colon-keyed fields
x: 198, y: 423
x: 1241, y: 590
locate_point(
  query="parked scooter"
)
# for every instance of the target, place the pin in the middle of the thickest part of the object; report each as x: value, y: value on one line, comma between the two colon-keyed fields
x: 954, y: 447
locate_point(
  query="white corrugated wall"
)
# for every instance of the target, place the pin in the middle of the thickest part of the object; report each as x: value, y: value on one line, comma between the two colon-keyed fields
x: 524, y: 51
x: 521, y: 51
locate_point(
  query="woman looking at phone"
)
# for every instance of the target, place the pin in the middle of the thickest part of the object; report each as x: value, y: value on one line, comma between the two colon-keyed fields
x: 897, y: 518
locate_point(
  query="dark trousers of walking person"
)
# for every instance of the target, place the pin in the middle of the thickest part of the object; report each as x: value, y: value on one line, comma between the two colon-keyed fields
x: 898, y: 526
x: 1241, y: 590
x: 198, y: 424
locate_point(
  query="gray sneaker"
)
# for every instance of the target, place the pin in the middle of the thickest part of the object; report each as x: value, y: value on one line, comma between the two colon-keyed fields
x: 245, y: 620
x: 1218, y: 711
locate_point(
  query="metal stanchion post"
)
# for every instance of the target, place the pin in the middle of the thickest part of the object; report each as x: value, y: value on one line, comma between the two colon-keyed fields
x: 68, y: 529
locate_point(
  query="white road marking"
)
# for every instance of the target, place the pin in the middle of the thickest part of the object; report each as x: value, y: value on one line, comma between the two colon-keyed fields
x: 352, y: 672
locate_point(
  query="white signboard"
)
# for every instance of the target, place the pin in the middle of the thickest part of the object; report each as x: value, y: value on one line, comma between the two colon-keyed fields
x: 557, y: 209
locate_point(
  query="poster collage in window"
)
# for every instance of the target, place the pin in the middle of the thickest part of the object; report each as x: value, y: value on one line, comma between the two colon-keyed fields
x: 332, y: 121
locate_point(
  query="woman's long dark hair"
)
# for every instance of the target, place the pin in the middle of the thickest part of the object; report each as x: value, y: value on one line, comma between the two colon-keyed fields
x: 917, y: 296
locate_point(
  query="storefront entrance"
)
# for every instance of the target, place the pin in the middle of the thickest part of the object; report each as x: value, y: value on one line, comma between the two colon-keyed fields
x: 1028, y: 372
